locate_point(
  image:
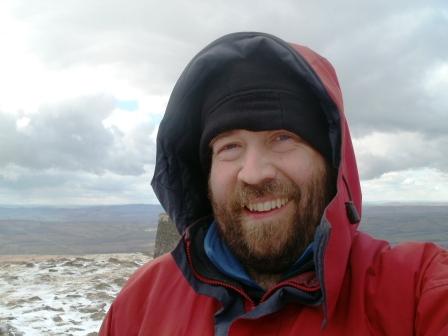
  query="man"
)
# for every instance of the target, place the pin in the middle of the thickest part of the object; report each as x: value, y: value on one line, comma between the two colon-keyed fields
x: 255, y: 166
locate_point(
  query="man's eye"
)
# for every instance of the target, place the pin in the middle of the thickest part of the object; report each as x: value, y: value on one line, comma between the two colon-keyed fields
x: 283, y: 137
x: 283, y: 142
x: 227, y: 152
x: 227, y: 147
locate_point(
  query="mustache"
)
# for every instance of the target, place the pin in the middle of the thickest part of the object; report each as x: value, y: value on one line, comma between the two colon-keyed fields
x: 245, y: 193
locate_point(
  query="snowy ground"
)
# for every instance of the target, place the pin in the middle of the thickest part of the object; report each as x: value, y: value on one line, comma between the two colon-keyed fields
x: 64, y: 295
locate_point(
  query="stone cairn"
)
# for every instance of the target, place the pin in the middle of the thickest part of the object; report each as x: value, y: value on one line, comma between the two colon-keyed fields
x: 166, y: 237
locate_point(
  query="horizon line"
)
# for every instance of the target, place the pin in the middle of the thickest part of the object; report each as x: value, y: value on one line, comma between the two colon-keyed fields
x: 46, y: 205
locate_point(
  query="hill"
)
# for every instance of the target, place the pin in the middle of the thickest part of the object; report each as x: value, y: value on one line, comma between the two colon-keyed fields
x: 399, y: 223
x: 78, y: 230
x: 132, y: 228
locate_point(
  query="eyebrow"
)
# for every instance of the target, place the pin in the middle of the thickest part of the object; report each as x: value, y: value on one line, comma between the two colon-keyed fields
x: 220, y: 136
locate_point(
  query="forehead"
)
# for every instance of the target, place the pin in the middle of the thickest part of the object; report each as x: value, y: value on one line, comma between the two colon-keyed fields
x: 224, y: 135
x: 243, y: 133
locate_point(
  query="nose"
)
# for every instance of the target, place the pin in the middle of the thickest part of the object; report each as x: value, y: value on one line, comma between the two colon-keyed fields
x: 256, y: 167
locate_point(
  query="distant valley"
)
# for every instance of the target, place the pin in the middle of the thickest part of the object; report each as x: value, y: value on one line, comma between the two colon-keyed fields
x: 399, y: 223
x: 132, y: 228
x: 78, y: 230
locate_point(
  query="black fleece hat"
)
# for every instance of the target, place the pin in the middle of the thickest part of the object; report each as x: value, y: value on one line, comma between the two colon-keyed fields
x: 258, y: 96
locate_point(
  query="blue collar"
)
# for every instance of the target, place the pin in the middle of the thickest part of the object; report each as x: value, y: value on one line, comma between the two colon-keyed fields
x: 220, y: 255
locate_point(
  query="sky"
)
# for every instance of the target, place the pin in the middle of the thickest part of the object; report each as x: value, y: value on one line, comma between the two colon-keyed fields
x: 84, y: 85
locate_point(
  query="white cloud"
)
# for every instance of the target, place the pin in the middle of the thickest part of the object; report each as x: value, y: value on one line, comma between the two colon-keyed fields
x: 383, y: 68
x: 72, y: 136
x: 436, y: 87
x: 19, y: 185
x: 381, y: 152
x: 426, y: 184
x: 150, y: 108
x: 66, y: 66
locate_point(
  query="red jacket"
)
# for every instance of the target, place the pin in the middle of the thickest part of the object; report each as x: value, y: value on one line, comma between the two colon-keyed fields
x: 357, y: 285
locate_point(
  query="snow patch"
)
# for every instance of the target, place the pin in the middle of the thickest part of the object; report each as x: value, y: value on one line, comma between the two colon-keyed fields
x: 66, y: 295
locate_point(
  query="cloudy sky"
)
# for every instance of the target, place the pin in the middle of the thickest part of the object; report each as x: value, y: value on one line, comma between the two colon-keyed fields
x: 84, y: 84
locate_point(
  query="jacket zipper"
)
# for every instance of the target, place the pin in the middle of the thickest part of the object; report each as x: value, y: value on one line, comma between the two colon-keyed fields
x: 347, y: 188
x: 350, y: 208
x: 239, y: 290
x: 215, y: 282
x: 286, y: 283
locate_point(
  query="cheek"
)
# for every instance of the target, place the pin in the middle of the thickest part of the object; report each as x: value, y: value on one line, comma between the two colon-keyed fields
x: 297, y: 171
x: 301, y: 168
x: 220, y: 182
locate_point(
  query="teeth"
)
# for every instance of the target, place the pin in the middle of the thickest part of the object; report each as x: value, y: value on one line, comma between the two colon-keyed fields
x: 267, y: 206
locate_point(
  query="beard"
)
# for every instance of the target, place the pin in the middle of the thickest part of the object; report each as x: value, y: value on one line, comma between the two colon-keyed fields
x: 272, y: 246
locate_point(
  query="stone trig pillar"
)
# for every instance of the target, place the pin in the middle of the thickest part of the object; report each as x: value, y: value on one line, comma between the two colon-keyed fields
x: 166, y: 237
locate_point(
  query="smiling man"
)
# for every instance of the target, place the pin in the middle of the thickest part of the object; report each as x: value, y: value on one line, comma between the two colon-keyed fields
x: 255, y: 166
x: 268, y: 190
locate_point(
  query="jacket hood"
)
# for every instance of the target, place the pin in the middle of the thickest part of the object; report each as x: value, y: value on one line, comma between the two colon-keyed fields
x: 180, y: 182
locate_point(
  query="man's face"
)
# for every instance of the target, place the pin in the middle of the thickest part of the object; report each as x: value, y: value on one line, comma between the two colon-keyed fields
x: 268, y: 190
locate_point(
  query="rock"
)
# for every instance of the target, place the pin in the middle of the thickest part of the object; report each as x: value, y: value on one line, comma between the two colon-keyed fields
x: 44, y: 278
x: 102, y: 286
x: 22, y: 302
x: 113, y: 260
x: 73, y: 296
x: 43, y: 307
x: 98, y: 316
x: 75, y: 329
x: 166, y: 237
x: 44, y: 300
x: 75, y: 323
x: 35, y: 298
x: 88, y: 310
x: 99, y: 296
x: 8, y: 330
x: 119, y: 281
x: 46, y: 307
x: 129, y: 264
x: 73, y: 263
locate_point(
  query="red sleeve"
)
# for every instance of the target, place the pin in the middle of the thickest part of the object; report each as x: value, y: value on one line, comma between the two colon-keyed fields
x: 432, y: 307
x: 105, y: 329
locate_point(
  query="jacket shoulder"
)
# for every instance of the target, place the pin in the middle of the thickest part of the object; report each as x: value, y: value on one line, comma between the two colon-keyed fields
x: 406, y: 282
x: 159, y: 267
x: 158, y: 300
x: 380, y: 253
x: 425, y: 266
x: 421, y: 264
